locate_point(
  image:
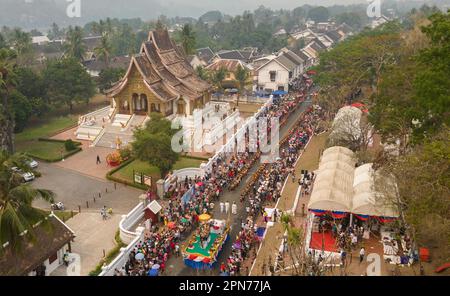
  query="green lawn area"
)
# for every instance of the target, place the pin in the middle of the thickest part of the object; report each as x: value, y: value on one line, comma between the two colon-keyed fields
x: 45, y: 129
x: 144, y: 167
x: 138, y: 166
x: 184, y: 162
x: 43, y: 150
x: 27, y: 141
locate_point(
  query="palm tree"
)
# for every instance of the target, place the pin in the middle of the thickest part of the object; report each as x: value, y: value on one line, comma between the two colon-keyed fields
x: 188, y: 39
x: 17, y: 215
x: 75, y: 46
x: 241, y: 75
x: 7, y: 64
x: 21, y: 41
x: 103, y: 51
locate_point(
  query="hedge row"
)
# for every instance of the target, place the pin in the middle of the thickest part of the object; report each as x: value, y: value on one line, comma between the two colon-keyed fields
x: 58, y: 141
x: 195, y: 157
x: 110, y: 176
x: 55, y: 159
x: 63, y: 130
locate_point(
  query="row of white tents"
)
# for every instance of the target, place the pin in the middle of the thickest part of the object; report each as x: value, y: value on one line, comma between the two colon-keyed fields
x: 342, y: 187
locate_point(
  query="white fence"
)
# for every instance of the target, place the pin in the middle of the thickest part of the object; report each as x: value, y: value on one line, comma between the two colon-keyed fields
x: 128, y: 221
x: 231, y: 142
x: 222, y: 128
x: 180, y: 175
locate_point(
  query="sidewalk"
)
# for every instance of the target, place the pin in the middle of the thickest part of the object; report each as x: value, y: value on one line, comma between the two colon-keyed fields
x: 93, y: 235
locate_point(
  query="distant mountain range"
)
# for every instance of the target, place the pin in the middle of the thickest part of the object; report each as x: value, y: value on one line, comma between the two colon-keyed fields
x: 42, y: 13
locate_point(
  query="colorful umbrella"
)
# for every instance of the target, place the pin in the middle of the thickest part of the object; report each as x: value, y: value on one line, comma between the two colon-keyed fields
x: 184, y: 220
x: 139, y: 256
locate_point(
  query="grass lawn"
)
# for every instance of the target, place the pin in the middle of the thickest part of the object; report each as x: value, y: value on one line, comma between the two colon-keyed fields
x: 184, y: 162
x: 138, y: 166
x: 46, y: 151
x: 42, y: 150
x: 27, y: 141
x: 144, y: 167
x: 46, y: 129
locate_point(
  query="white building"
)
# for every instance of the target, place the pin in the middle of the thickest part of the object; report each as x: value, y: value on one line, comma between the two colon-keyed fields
x: 278, y: 72
x: 40, y: 40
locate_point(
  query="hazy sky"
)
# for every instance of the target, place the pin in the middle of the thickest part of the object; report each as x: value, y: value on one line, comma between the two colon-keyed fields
x: 237, y: 6
x: 41, y: 13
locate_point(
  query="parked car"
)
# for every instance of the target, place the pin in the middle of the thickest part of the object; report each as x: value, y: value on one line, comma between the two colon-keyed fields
x: 26, y: 176
x: 33, y: 163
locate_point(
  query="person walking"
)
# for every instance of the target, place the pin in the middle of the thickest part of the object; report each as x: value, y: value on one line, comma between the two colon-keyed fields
x: 234, y: 208
x: 222, y: 207
x: 98, y: 159
x: 227, y: 207
x: 362, y: 253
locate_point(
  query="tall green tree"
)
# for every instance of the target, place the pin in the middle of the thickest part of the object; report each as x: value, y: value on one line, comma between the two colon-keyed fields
x: 3, y: 43
x: 242, y: 76
x: 188, y: 39
x: 67, y: 82
x: 20, y: 41
x: 17, y: 213
x: 103, y: 50
x: 217, y: 78
x: 108, y: 76
x: 7, y: 82
x: 432, y: 83
x: 153, y: 143
x: 21, y: 109
x: 319, y: 14
x: 74, y: 46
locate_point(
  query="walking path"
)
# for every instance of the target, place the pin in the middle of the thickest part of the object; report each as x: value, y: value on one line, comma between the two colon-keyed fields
x: 93, y: 236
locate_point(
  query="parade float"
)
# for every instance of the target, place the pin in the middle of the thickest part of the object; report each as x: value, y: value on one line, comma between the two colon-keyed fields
x: 204, y: 247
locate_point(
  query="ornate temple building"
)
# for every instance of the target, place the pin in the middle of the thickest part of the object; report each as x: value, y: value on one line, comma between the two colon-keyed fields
x: 159, y: 79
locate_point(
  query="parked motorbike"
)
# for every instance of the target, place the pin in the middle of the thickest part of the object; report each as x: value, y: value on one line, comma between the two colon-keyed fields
x: 59, y: 206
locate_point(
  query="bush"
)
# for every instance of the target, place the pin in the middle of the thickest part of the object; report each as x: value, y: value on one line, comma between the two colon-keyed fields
x: 70, y: 145
x: 125, y: 153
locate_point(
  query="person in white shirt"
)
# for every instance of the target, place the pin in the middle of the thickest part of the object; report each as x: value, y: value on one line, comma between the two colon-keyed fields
x: 234, y: 209
x: 362, y: 253
x: 222, y: 207
x: 227, y: 207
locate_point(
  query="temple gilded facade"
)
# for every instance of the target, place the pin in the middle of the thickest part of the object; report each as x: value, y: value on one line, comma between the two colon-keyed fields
x: 159, y: 79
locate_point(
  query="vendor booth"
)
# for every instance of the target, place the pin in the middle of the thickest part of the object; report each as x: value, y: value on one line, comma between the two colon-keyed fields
x: 345, y: 196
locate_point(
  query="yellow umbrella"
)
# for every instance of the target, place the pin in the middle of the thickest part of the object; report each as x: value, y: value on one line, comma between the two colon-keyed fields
x: 204, y: 217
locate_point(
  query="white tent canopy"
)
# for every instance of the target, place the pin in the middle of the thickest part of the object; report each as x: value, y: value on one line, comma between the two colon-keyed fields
x: 339, y: 187
x: 366, y: 201
x: 333, y: 188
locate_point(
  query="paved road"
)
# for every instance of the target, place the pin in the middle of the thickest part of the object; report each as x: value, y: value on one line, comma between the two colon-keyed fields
x: 74, y: 189
x: 176, y: 265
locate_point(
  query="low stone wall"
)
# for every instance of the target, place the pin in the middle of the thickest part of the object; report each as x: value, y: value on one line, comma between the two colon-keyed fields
x: 127, y: 234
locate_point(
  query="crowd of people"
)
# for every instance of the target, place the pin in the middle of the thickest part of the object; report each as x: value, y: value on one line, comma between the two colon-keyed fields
x: 191, y: 197
x: 267, y: 183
